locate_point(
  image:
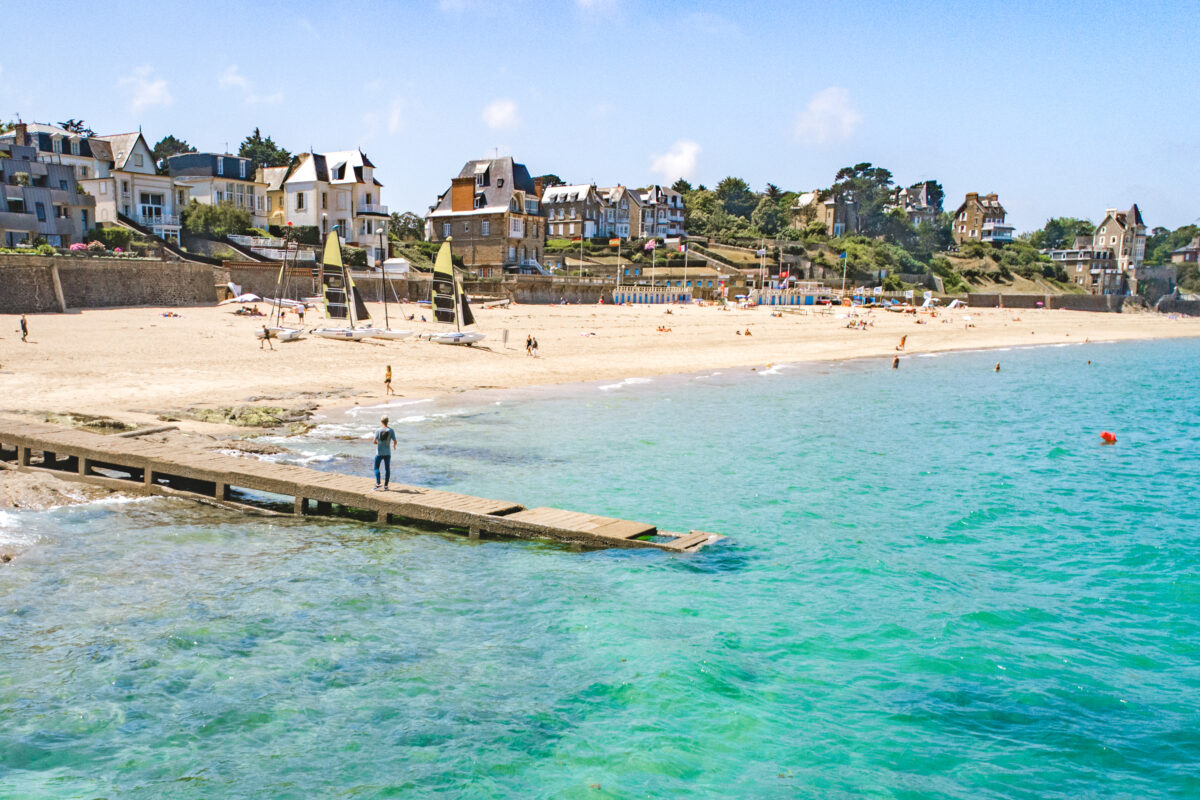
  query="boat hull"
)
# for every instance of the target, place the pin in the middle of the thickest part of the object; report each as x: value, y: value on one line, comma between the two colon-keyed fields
x: 461, y: 337
x: 388, y: 333
x: 281, y: 334
x: 346, y: 334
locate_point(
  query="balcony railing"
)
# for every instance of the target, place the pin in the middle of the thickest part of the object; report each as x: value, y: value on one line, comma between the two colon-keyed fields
x: 372, y: 208
x: 147, y: 221
x: 278, y: 254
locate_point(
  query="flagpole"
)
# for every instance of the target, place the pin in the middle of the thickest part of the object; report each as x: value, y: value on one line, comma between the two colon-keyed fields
x: 618, y: 262
x: 685, y: 258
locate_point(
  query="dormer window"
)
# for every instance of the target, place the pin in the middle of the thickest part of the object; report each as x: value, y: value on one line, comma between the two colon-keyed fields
x: 481, y: 174
x: 220, y: 165
x: 480, y: 201
x: 58, y: 145
x: 74, y: 147
x: 241, y: 168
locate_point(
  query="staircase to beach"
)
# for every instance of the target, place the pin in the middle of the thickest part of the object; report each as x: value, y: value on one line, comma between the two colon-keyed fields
x: 170, y: 247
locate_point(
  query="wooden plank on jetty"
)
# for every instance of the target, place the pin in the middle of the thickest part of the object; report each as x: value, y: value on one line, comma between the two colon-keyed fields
x: 182, y: 471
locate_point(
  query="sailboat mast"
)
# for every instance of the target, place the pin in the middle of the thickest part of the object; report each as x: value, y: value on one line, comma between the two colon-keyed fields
x: 383, y: 280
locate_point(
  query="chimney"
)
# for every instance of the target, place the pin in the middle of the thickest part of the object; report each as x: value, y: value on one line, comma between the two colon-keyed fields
x: 539, y: 186
x: 22, y: 134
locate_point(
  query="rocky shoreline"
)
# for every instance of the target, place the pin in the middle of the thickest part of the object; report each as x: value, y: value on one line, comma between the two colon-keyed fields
x: 41, y: 491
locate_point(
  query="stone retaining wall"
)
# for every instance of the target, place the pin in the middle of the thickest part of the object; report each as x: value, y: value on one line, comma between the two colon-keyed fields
x: 1072, y: 302
x: 28, y: 283
x: 1168, y: 305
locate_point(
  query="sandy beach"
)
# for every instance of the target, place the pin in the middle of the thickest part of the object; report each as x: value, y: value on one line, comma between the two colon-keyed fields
x: 136, y: 364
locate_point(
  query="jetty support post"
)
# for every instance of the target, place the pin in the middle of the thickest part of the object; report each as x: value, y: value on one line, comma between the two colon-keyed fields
x: 473, y: 532
x: 300, y: 505
x: 221, y: 490
x: 84, y: 465
x: 24, y: 456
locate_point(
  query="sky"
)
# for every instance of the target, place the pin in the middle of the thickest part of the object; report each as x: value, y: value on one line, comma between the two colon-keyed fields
x: 1063, y: 109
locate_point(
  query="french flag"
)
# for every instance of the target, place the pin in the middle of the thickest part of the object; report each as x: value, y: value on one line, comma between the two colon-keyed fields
x: 683, y: 248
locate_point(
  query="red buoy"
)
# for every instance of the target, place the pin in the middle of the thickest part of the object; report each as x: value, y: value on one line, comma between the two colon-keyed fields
x: 1107, y: 437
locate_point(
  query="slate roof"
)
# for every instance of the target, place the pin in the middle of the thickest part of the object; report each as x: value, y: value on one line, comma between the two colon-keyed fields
x: 121, y: 143
x: 273, y: 177
x: 571, y: 193
x: 504, y: 177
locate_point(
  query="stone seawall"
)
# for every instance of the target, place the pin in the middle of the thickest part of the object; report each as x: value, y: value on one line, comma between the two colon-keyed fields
x: 34, y: 284
x: 1168, y: 305
x: 1072, y: 302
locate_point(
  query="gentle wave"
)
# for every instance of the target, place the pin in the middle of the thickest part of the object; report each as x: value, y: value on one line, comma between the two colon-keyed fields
x: 354, y: 412
x: 626, y: 382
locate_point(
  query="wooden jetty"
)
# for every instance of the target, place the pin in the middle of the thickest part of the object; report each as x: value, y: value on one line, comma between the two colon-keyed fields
x: 137, y: 466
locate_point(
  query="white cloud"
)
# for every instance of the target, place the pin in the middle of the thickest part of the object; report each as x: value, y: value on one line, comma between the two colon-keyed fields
x: 395, y: 118
x: 677, y: 162
x: 233, y: 78
x: 828, y: 117
x: 501, y: 114
x: 145, y: 90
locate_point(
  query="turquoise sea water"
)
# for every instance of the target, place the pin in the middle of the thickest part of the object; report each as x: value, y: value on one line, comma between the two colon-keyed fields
x: 937, y: 584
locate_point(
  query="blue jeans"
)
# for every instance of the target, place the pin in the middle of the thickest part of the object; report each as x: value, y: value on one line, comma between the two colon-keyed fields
x: 387, y: 469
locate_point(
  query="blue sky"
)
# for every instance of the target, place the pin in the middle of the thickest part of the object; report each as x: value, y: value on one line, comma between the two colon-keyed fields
x: 1063, y: 109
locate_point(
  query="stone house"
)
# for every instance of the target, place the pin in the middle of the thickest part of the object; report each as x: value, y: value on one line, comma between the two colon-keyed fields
x: 981, y: 218
x: 1092, y: 269
x: 662, y: 212
x: 623, y: 212
x: 492, y: 217
x: 574, y: 210
x: 1188, y: 254
x: 1124, y: 233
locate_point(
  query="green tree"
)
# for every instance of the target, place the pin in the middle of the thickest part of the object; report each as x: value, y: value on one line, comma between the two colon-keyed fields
x: 934, y: 193
x: 169, y: 146
x: 736, y: 197
x: 773, y: 193
x: 216, y: 221
x: 551, y: 179
x: 407, y: 226
x: 768, y: 217
x: 681, y: 186
x: 1059, y: 232
x: 263, y: 151
x: 77, y: 126
x: 1161, y: 242
x: 871, y: 190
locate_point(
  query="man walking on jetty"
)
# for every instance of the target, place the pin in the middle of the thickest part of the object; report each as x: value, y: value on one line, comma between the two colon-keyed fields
x: 384, y: 436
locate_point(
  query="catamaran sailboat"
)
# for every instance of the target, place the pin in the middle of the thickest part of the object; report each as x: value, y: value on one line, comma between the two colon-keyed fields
x: 387, y: 332
x: 449, y: 303
x: 342, y: 300
x: 277, y: 330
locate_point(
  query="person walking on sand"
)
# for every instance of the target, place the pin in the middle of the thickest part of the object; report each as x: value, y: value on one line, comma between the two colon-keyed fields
x: 24, y: 328
x: 383, y: 437
x: 387, y: 381
x: 529, y: 345
x: 533, y: 349
x: 266, y: 338
x: 903, y: 339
